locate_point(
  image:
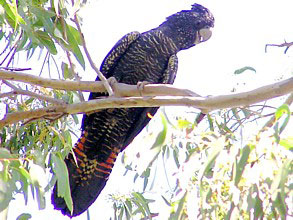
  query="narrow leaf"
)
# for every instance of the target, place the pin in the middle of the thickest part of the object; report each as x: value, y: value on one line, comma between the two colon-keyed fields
x: 162, y: 135
x: 74, y: 41
x: 243, y: 69
x: 287, y: 143
x: 283, y: 110
x: 241, y: 164
x: 61, y: 172
x: 46, y: 41
x: 24, y: 216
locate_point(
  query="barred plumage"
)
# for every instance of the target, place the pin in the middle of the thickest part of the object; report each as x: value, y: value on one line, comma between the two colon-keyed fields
x: 151, y: 57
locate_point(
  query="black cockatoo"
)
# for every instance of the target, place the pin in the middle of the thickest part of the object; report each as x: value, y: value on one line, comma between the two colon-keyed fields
x: 137, y: 57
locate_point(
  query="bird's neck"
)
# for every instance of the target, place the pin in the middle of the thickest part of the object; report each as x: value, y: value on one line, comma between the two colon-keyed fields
x: 177, y: 35
x: 163, y: 41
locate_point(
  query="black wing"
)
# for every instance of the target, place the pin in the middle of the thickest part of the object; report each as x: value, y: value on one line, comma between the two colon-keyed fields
x: 110, y: 62
x: 144, y: 118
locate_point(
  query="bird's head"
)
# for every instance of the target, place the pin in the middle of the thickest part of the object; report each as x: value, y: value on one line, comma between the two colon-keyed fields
x: 189, y: 27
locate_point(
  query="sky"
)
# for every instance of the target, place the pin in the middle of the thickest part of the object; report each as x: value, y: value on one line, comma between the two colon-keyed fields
x: 242, y: 29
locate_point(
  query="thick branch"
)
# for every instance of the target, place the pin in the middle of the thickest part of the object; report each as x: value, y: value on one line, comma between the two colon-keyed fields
x: 51, y: 83
x: 120, y: 89
x: 206, y: 104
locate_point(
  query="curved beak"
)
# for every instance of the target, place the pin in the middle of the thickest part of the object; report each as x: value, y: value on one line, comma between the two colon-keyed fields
x: 203, y: 35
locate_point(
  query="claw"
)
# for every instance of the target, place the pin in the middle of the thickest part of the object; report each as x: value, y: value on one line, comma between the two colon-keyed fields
x: 140, y: 86
x: 112, y: 80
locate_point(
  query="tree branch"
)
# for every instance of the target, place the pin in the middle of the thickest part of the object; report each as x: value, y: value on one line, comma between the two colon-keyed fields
x: 205, y: 104
x: 285, y: 44
x: 32, y: 94
x: 96, y: 86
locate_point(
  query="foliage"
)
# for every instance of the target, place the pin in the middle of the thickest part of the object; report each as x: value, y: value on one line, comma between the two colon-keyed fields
x: 221, y: 176
x: 35, y: 147
x: 28, y: 25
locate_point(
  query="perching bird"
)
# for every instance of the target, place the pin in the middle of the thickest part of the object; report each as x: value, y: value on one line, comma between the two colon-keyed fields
x: 137, y: 57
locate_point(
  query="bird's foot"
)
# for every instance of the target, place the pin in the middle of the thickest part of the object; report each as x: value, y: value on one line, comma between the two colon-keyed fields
x: 112, y: 80
x: 140, y: 86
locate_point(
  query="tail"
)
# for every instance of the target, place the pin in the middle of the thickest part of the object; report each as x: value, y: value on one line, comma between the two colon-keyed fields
x: 87, y: 179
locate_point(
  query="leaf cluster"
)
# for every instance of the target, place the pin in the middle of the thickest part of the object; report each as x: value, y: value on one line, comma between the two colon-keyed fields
x: 31, y: 153
x: 218, y: 174
x: 30, y: 24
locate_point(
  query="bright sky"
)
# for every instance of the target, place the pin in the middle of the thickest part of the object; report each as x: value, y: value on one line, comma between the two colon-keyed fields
x: 242, y: 29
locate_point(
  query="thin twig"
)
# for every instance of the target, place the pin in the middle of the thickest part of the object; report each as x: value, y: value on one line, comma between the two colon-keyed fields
x: 13, y: 87
x: 15, y: 68
x: 7, y: 55
x: 101, y: 76
x: 14, y: 47
x: 12, y: 57
x: 5, y: 48
x: 56, y: 66
x: 32, y: 94
x: 43, y: 64
x: 285, y: 44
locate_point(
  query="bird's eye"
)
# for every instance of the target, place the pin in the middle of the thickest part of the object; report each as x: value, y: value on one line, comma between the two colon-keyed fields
x: 198, y: 23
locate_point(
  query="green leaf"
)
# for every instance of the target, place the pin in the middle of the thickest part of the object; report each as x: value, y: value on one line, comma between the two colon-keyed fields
x: 243, y: 69
x: 2, y: 33
x: 146, y: 175
x: 46, y: 41
x: 75, y: 33
x: 61, y: 172
x: 175, y: 157
x: 254, y: 202
x: 6, y: 191
x: 56, y: 7
x: 11, y: 14
x: 25, y: 180
x: 241, y: 164
x: 211, y: 124
x: 128, y: 208
x: 184, y: 124
x: 179, y: 210
x: 208, y: 165
x: 5, y: 154
x: 211, y: 159
x: 67, y: 71
x: 74, y: 40
x: 278, y: 187
x: 287, y: 143
x: 75, y: 119
x: 34, y: 172
x: 22, y: 42
x: 162, y: 135
x: 283, y: 110
x: 142, y: 204
x: 24, y: 216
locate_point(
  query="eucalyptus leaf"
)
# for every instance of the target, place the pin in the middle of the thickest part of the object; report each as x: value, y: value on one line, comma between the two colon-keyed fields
x: 24, y: 216
x: 243, y: 69
x: 61, y: 172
